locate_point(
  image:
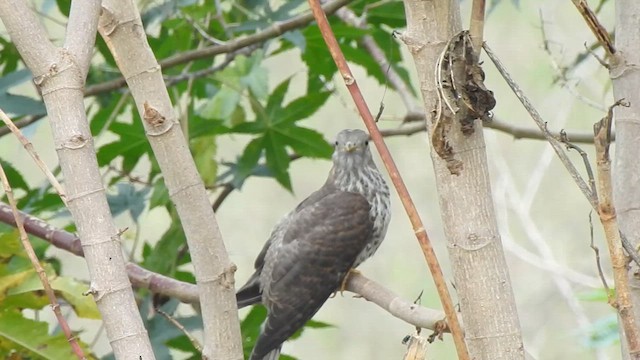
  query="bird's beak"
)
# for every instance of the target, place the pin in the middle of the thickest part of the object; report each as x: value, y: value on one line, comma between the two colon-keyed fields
x: 349, y: 147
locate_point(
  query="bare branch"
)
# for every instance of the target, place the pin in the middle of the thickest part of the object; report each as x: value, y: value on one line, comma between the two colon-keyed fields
x: 196, y: 344
x: 596, y: 27
x: 81, y: 32
x: 121, y: 28
x: 542, y: 125
x: 476, y: 27
x: 607, y: 213
x: 28, y: 34
x: 518, y: 132
x: 401, y: 188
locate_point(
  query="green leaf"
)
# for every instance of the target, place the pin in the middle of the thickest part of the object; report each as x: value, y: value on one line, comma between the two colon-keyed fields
x: 306, y: 142
x: 67, y: 288
x: 30, y: 338
x: 277, y: 158
x: 302, y: 107
x: 602, y: 333
x: 160, y: 194
x: 64, y: 6
x: 250, y: 328
x: 132, y: 145
x: 127, y: 198
x: 162, y: 258
x: 276, y: 98
x: 73, y: 292
x: 204, y: 150
x: 15, y: 178
x: 390, y: 13
x: 247, y: 161
x: 11, y: 245
x: 223, y: 104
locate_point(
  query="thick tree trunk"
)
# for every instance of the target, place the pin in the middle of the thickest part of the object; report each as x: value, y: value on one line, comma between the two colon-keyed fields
x: 487, y: 304
x: 625, y: 76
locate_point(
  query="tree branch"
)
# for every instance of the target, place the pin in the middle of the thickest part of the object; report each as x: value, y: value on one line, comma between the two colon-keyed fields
x: 595, y: 26
x: 188, y: 293
x: 608, y: 218
x: 273, y: 31
x: 542, y: 125
x: 121, y: 28
x: 83, y: 15
x: 414, y: 217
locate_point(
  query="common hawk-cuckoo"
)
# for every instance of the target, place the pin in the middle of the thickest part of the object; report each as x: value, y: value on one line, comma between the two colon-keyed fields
x: 312, y: 249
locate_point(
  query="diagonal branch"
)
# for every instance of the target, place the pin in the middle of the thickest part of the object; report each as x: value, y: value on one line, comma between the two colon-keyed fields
x: 596, y: 27
x: 412, y: 212
x: 555, y: 143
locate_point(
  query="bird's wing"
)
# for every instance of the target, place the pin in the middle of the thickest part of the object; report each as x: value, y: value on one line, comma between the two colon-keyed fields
x: 319, y: 247
x: 250, y: 293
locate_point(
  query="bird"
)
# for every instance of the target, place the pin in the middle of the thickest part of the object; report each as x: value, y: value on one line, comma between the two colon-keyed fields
x: 312, y: 249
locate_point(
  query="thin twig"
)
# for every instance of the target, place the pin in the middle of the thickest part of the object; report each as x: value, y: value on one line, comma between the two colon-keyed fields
x: 596, y: 250
x: 196, y: 344
x: 585, y: 159
x: 385, y: 155
x: 518, y: 132
x: 26, y: 121
x: 24, y: 238
x: 34, y: 155
x: 561, y: 72
x: 596, y: 27
x: 555, y: 143
x: 227, y: 189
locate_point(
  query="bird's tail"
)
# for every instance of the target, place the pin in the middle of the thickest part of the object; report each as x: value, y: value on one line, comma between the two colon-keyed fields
x: 250, y: 293
x: 272, y: 355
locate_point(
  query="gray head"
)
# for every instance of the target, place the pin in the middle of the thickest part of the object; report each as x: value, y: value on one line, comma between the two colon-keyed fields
x: 351, y: 149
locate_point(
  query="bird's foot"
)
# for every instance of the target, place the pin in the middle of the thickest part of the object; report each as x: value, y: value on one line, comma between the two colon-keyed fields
x: 343, y: 285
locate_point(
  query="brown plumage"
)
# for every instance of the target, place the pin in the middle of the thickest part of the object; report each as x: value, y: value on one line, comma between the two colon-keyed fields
x: 313, y: 247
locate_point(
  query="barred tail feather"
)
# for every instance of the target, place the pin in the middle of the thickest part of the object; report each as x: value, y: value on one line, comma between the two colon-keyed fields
x: 272, y: 355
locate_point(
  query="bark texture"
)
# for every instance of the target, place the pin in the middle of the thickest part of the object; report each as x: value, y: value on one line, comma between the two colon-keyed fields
x: 122, y: 29
x: 625, y: 76
x: 492, y: 329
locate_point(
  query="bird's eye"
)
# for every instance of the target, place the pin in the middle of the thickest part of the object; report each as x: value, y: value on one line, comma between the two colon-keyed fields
x: 366, y: 143
x: 336, y: 143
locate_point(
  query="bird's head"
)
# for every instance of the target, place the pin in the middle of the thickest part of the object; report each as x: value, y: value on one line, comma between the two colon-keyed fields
x: 351, y: 148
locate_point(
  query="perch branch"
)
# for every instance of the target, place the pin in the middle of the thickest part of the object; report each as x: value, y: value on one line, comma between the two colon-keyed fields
x: 188, y: 293
x: 408, y: 204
